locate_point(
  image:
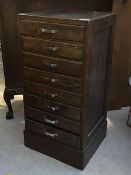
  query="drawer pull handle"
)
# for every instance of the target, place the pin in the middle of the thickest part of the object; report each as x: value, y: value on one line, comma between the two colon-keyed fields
x: 51, y: 95
x: 50, y: 134
x: 53, y: 122
x: 52, y: 49
x: 51, y: 80
x: 52, y: 108
x: 47, y: 31
x: 50, y: 65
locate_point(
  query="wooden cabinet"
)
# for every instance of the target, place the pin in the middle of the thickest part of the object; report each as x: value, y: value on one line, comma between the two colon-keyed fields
x: 119, y: 95
x: 12, y: 61
x: 65, y: 81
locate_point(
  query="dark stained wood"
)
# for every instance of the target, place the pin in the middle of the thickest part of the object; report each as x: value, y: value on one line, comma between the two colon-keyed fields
x: 94, y: 86
x: 52, y: 120
x: 0, y: 31
x: 12, y: 60
x: 54, y: 31
x: 52, y: 48
x: 91, y: 86
x: 62, y: 17
x: 66, y: 154
x: 102, y: 5
x: 52, y: 93
x: 10, y: 45
x: 120, y: 93
x: 55, y: 80
x: 10, y: 52
x: 118, y: 97
x: 33, y: 5
x: 52, y: 106
x: 55, y: 134
x: 51, y: 64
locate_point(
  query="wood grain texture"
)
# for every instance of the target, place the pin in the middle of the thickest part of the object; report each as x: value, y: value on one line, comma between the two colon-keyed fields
x: 52, y: 93
x: 52, y: 48
x: 12, y: 61
x: 120, y: 94
x: 41, y: 85
x: 96, y: 69
x: 10, y: 40
x: 51, y: 79
x: 51, y: 64
x: 52, y: 120
x: 53, y: 31
x: 54, y: 107
x: 59, y: 135
x: 67, y: 154
x: 10, y: 44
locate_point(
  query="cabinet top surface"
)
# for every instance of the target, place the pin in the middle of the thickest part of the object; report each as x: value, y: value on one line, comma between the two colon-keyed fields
x: 80, y: 16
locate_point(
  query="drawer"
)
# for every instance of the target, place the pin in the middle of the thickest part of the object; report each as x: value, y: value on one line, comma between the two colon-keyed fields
x: 53, y: 120
x: 53, y: 133
x: 53, y: 64
x: 53, y: 31
x: 52, y: 48
x: 54, y: 107
x: 52, y: 93
x: 54, y: 80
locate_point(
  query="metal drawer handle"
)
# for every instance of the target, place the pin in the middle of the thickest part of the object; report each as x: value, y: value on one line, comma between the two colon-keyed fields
x: 50, y: 65
x: 52, y: 49
x: 50, y: 134
x: 48, y: 31
x: 51, y: 95
x: 52, y: 80
x: 53, y: 122
x: 52, y: 108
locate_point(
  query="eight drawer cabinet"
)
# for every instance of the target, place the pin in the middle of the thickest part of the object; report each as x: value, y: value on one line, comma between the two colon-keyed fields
x: 66, y: 58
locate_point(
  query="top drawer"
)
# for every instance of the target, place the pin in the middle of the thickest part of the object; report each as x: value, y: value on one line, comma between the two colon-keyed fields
x: 54, y: 31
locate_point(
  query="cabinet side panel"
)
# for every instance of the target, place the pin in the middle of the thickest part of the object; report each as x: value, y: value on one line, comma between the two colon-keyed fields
x: 96, y: 84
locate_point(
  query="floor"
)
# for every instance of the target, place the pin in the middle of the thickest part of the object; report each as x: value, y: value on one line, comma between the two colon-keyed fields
x: 112, y: 158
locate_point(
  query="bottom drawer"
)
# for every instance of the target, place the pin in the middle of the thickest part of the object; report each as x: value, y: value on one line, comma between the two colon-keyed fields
x: 54, y: 120
x: 53, y: 133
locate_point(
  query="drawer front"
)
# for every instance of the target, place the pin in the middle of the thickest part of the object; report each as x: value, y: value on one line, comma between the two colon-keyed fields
x: 52, y: 48
x: 54, y: 80
x: 53, y: 133
x: 53, y: 107
x: 53, y: 65
x: 54, y: 31
x: 52, y: 93
x: 53, y: 120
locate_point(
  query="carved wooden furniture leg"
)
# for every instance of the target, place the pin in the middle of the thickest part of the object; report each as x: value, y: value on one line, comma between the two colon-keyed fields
x: 8, y: 96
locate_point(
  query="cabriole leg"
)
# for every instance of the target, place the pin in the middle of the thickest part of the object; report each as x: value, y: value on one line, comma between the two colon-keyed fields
x: 8, y: 96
